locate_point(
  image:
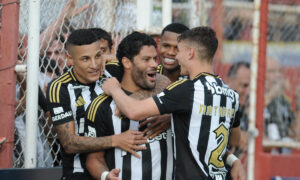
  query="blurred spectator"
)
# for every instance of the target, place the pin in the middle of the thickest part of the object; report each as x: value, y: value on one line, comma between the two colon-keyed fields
x: 49, y: 70
x: 56, y: 51
x: 239, y: 80
x: 277, y: 114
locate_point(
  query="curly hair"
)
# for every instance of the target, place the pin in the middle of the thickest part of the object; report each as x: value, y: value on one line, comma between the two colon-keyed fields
x: 203, y: 39
x: 132, y: 44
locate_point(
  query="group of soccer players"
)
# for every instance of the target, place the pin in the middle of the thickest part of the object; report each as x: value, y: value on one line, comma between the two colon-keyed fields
x: 116, y: 129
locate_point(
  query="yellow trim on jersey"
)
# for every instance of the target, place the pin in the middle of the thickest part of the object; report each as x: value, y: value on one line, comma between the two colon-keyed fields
x: 206, y: 74
x: 55, y: 87
x: 159, y: 69
x: 73, y: 76
x: 176, y: 83
x: 113, y: 63
x: 94, y: 106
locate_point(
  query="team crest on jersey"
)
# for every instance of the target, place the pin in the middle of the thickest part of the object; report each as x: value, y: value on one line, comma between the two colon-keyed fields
x: 80, y: 102
x: 92, y: 132
x: 216, y: 89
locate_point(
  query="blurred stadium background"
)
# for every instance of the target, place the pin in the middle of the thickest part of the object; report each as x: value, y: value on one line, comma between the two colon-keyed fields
x: 279, y: 37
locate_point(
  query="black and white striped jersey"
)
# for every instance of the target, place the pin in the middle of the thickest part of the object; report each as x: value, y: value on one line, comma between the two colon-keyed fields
x: 68, y: 100
x: 156, y: 162
x: 203, y: 113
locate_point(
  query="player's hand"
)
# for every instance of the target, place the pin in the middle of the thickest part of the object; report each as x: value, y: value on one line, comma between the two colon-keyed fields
x: 110, y: 85
x: 237, y: 171
x: 104, y: 59
x: 156, y: 125
x: 113, y: 174
x: 130, y: 141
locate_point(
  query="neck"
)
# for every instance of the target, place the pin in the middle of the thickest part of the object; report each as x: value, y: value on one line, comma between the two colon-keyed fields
x: 128, y: 84
x: 173, y: 76
x: 200, y: 67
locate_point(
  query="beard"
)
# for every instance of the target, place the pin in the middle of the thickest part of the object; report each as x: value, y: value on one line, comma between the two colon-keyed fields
x: 139, y: 77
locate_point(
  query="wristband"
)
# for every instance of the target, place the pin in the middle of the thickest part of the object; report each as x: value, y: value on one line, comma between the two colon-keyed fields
x: 104, y: 174
x: 231, y: 159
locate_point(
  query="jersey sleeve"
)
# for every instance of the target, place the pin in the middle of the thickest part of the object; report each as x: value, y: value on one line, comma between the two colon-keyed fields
x: 176, y: 97
x: 115, y: 69
x: 98, y: 117
x: 237, y: 119
x: 58, y: 103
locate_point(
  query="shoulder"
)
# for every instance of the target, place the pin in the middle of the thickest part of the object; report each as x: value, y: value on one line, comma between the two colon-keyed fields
x: 162, y: 82
x: 58, y: 85
x: 179, y: 84
x: 100, y: 102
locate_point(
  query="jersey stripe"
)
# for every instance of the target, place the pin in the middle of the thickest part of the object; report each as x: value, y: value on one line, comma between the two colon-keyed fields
x: 95, y: 105
x: 55, y: 87
x: 196, y: 121
x: 205, y: 127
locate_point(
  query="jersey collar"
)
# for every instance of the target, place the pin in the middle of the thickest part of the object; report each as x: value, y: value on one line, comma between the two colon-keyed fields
x: 206, y: 74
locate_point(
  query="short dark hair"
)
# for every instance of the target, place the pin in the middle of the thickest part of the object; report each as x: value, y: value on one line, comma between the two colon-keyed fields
x: 235, y: 67
x: 102, y: 34
x: 132, y: 44
x: 81, y: 37
x: 175, y: 28
x: 205, y: 40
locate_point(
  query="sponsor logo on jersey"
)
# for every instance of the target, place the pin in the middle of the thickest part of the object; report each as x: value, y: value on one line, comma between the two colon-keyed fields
x: 62, y: 116
x: 216, y: 89
x: 58, y: 110
x: 158, y: 137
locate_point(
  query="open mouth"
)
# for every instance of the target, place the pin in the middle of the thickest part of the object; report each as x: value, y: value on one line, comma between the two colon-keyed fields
x: 169, y: 61
x: 151, y: 75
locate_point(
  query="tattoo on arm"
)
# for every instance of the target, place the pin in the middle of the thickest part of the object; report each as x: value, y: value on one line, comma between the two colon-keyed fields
x: 72, y: 143
x: 161, y: 83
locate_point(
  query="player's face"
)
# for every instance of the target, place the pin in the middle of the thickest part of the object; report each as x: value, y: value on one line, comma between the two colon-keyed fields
x: 86, y: 62
x: 144, y: 68
x: 241, y: 84
x: 168, y: 51
x: 182, y: 58
x: 104, y: 46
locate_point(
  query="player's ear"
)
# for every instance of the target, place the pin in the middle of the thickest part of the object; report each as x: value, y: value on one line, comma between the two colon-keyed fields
x: 126, y: 63
x: 191, y: 53
x: 70, y: 59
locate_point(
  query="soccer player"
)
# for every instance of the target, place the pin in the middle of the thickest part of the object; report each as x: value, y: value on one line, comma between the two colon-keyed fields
x: 137, y: 52
x: 203, y: 110
x: 68, y: 97
x: 167, y: 51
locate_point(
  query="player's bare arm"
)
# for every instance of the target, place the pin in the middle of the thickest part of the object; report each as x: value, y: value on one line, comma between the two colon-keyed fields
x: 235, y: 137
x: 73, y: 143
x: 157, y: 124
x: 96, y: 165
x: 132, y: 108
